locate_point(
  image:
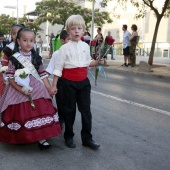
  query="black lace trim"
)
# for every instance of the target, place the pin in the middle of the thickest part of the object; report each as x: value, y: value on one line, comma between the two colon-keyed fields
x: 36, y: 59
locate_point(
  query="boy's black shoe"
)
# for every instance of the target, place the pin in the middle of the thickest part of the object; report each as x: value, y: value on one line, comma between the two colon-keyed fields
x: 70, y: 143
x: 91, y: 144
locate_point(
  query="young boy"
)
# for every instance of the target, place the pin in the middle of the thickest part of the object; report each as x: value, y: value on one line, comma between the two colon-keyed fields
x: 71, y: 66
x: 64, y: 37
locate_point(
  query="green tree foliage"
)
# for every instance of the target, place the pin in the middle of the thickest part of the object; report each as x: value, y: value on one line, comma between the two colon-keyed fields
x: 142, y: 7
x: 6, y: 22
x: 32, y: 25
x: 57, y: 12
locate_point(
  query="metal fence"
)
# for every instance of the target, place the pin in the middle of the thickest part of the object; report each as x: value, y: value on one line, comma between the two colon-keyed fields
x: 162, y: 49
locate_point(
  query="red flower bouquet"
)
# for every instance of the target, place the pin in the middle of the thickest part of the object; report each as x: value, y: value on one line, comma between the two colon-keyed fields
x: 93, y: 43
x: 82, y: 38
x: 110, y: 40
x: 103, y: 51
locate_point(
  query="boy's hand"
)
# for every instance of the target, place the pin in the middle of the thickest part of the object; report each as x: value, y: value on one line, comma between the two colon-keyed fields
x: 101, y: 62
x: 53, y: 90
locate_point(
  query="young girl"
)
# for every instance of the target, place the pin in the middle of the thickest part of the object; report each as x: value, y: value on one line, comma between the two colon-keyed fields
x: 8, y: 51
x: 20, y: 123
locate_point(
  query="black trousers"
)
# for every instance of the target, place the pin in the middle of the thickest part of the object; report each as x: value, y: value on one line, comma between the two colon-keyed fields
x: 69, y: 94
x: 58, y: 98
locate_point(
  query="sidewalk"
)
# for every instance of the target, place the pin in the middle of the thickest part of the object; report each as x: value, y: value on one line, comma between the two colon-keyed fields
x: 160, y: 68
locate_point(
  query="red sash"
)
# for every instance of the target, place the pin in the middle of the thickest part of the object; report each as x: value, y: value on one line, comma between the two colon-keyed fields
x: 75, y: 74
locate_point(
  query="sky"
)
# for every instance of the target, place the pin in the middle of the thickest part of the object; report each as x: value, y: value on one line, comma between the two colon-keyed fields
x: 23, y: 5
x: 29, y: 5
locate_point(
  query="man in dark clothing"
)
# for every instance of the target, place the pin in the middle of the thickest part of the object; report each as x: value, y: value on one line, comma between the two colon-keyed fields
x: 51, y: 46
x: 2, y: 42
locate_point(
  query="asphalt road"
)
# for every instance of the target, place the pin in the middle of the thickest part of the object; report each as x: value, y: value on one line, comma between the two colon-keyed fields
x: 131, y: 116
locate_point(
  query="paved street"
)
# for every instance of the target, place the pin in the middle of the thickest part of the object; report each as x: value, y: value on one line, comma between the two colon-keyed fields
x: 131, y: 116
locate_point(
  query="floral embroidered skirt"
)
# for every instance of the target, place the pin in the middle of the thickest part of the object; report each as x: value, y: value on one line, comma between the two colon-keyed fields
x: 21, y: 124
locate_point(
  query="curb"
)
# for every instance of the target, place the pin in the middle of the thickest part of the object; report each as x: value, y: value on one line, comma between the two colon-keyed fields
x: 146, y: 74
x: 110, y: 69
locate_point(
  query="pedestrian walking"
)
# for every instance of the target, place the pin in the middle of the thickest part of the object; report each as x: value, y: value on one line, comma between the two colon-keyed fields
x: 111, y: 50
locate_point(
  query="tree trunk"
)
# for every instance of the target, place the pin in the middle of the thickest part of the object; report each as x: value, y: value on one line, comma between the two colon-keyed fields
x: 151, y: 55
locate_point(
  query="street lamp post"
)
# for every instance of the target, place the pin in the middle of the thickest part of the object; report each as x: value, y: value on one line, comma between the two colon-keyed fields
x: 103, y: 4
x: 17, y: 13
x: 92, y: 25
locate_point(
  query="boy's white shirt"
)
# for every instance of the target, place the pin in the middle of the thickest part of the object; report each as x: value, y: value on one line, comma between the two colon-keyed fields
x: 72, y: 55
x: 51, y: 65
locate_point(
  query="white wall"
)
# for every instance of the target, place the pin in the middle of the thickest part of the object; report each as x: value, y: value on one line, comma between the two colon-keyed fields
x: 146, y: 25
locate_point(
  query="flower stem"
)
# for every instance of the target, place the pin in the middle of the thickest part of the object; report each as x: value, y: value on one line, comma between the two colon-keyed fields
x: 31, y: 102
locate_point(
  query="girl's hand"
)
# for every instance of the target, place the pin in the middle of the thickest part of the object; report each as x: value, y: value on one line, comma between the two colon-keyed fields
x: 26, y: 91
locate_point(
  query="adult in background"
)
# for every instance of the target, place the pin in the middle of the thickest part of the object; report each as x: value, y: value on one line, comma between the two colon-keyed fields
x: 99, y: 36
x: 2, y: 42
x: 126, y: 44
x: 51, y: 46
x: 134, y: 38
x: 111, y: 47
x: 87, y: 37
x: 39, y: 45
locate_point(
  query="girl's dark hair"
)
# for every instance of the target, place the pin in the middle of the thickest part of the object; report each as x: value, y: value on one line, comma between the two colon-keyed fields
x: 36, y: 58
x: 99, y: 28
x: 18, y: 25
x: 134, y: 27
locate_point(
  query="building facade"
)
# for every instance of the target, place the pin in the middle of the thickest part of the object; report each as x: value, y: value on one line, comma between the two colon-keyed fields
x: 145, y: 25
